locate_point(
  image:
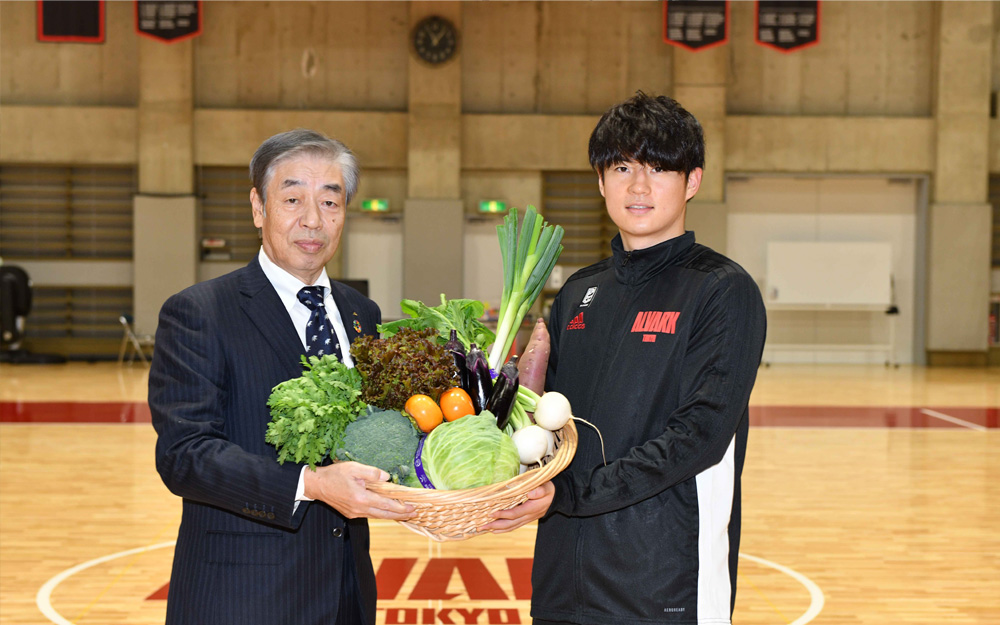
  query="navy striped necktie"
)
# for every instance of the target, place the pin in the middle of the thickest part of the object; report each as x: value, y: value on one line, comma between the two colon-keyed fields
x: 320, y: 337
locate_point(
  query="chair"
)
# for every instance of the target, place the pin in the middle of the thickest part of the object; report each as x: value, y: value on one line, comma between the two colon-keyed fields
x: 132, y: 342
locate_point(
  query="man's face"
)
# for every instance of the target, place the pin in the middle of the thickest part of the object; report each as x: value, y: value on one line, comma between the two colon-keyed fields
x: 647, y: 203
x: 305, y: 213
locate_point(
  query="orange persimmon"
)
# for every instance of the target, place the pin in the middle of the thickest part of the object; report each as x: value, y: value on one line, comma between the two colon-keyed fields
x: 424, y: 412
x: 455, y: 404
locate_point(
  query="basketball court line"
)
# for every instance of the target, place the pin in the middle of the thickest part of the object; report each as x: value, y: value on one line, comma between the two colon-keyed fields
x: 951, y: 419
x: 816, y: 597
x: 43, y: 599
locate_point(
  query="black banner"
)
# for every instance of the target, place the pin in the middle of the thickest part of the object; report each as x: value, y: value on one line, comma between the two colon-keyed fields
x: 787, y: 25
x: 74, y: 21
x: 695, y: 24
x: 168, y: 21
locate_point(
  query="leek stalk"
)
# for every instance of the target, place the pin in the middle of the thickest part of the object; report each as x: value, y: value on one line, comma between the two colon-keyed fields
x: 528, y: 254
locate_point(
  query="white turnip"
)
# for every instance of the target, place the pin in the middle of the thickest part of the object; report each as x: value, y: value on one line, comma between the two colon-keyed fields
x: 552, y: 411
x: 532, y: 444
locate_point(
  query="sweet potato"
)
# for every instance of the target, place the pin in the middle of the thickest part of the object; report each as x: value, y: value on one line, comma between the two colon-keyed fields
x: 534, y: 361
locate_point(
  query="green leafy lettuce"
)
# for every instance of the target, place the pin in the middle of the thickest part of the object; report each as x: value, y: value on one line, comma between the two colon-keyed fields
x: 461, y: 315
x: 310, y: 413
x: 407, y: 363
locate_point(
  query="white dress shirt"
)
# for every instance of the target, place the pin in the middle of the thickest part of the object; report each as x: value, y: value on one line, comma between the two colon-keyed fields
x: 287, y: 287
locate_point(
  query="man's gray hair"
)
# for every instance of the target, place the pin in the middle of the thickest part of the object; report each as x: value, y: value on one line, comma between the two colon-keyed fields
x: 298, y: 142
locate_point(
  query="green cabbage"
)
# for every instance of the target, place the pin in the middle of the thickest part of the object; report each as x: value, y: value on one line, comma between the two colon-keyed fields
x: 469, y: 452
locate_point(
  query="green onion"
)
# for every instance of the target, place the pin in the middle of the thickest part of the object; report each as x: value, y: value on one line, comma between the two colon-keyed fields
x: 529, y: 254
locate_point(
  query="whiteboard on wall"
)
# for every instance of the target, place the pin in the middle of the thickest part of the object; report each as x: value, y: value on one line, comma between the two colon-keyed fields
x: 482, y: 270
x: 373, y: 251
x: 829, y: 273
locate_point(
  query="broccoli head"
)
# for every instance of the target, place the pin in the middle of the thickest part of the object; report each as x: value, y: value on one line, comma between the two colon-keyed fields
x: 385, y: 439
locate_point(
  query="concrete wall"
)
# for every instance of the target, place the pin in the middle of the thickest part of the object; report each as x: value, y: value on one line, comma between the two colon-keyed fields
x: 890, y: 89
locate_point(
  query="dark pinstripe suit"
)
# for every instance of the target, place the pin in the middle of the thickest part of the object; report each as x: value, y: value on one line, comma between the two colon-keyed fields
x: 242, y: 556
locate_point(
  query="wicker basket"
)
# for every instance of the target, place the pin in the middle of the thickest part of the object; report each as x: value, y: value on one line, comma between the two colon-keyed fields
x: 457, y: 514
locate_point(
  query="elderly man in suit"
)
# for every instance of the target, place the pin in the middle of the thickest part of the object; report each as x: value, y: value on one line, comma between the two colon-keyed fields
x: 261, y: 542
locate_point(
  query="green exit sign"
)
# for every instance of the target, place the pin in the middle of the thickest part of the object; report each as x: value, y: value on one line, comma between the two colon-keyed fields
x: 375, y: 205
x: 492, y: 206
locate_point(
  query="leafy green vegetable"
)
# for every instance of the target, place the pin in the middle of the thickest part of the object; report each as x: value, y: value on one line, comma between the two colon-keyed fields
x: 382, y: 438
x: 407, y: 363
x: 461, y: 315
x: 469, y: 452
x: 310, y: 413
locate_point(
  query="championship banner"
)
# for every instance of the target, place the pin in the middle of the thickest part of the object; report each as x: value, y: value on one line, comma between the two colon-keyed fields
x: 695, y: 24
x: 168, y: 21
x: 71, y: 22
x: 787, y: 25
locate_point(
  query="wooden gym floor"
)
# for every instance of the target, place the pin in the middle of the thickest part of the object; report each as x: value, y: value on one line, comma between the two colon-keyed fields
x: 870, y: 495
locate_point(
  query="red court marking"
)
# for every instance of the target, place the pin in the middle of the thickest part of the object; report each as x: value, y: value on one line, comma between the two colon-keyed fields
x: 74, y: 412
x: 780, y: 416
x: 161, y: 594
x: 520, y: 577
x: 870, y: 416
x: 392, y: 574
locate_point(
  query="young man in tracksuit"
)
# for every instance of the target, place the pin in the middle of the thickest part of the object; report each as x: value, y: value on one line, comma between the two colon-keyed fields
x: 658, y: 346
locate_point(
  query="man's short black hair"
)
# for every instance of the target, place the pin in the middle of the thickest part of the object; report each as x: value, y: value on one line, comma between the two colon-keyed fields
x: 650, y: 130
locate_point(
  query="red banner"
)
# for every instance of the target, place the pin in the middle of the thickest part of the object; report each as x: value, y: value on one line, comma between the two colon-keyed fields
x: 787, y: 25
x: 695, y: 24
x: 168, y: 21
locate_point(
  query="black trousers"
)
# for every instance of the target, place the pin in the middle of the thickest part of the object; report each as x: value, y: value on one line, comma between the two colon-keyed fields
x: 351, y: 611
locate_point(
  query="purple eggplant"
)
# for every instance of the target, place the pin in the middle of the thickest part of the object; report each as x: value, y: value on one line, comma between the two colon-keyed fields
x: 458, y: 353
x: 501, y: 401
x: 480, y: 381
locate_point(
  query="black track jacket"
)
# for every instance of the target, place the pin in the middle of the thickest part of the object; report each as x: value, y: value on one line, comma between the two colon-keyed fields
x: 659, y: 349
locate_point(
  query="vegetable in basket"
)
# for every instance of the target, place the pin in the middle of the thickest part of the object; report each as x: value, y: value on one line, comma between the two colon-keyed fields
x: 408, y: 363
x: 528, y: 258
x: 533, y: 444
x: 501, y: 401
x: 458, y: 352
x: 424, y: 412
x: 534, y: 361
x: 310, y: 413
x: 456, y: 403
x: 468, y: 453
x: 385, y: 439
x: 480, y: 382
x: 461, y: 315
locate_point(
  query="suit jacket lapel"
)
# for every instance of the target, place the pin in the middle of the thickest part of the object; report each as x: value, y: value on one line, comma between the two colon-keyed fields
x: 264, y: 308
x: 354, y: 323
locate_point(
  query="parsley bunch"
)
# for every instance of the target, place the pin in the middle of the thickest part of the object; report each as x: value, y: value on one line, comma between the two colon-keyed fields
x: 310, y: 413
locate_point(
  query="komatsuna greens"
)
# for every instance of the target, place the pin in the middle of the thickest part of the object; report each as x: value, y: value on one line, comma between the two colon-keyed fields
x: 461, y: 315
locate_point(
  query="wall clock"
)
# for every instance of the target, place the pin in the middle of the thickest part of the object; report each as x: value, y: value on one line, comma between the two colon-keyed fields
x: 435, y: 40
